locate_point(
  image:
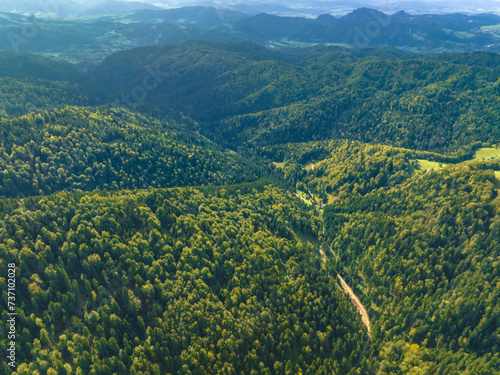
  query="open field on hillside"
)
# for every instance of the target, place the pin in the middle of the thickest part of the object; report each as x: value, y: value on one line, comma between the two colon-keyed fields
x: 487, y: 153
x: 427, y: 164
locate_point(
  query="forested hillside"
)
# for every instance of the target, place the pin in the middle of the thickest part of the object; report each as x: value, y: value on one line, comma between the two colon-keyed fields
x: 186, y: 209
x: 104, y: 148
x: 21, y: 96
x: 99, y: 32
x: 30, y: 83
x: 247, y: 97
x: 421, y: 248
x: 180, y: 281
x: 24, y: 65
x: 425, y: 256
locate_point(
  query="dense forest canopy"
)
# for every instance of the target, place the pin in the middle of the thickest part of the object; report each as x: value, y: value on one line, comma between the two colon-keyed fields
x: 21, y: 96
x: 188, y: 208
x: 105, y: 148
x: 175, y: 281
x: 246, y: 97
x: 426, y: 256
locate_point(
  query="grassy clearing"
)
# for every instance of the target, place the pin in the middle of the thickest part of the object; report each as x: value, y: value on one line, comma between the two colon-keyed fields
x: 493, y: 29
x: 279, y: 165
x: 463, y: 34
x: 306, y: 238
x: 427, y: 164
x: 487, y: 153
x: 309, y: 198
x: 497, y: 175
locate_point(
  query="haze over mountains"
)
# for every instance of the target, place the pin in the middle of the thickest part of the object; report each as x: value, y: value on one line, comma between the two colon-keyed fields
x: 110, y: 27
x: 291, y: 8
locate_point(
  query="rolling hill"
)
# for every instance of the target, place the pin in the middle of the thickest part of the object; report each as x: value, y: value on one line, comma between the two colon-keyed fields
x: 191, y: 208
x: 244, y: 95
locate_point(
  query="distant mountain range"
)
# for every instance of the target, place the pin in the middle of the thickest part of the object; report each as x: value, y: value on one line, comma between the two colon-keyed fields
x: 368, y: 27
x: 110, y: 27
x: 310, y: 9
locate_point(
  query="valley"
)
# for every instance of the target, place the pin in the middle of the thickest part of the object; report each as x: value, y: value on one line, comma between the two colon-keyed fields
x: 167, y: 178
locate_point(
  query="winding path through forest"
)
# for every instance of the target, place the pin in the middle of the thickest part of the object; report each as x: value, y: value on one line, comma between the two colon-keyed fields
x: 357, y: 303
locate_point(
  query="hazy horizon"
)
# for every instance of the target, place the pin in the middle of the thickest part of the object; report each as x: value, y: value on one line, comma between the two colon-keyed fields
x: 289, y: 7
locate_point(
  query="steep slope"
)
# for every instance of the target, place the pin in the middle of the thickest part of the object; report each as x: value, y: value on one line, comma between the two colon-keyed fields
x: 25, y: 65
x: 31, y: 83
x: 419, y: 249
x: 191, y: 277
x: 411, y: 104
x: 21, y: 96
x: 243, y: 96
x: 424, y: 255
x: 105, y: 148
x: 483, y: 59
x: 174, y: 281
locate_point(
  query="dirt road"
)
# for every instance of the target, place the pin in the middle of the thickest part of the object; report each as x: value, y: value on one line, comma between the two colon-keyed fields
x: 354, y: 299
x: 356, y: 302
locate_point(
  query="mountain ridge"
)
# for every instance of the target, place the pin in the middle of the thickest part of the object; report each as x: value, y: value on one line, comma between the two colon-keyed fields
x: 361, y: 28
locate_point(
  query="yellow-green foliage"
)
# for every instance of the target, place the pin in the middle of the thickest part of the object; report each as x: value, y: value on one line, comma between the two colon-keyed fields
x: 207, y: 280
x: 88, y: 148
x: 419, y: 250
x: 21, y: 96
x: 355, y: 168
